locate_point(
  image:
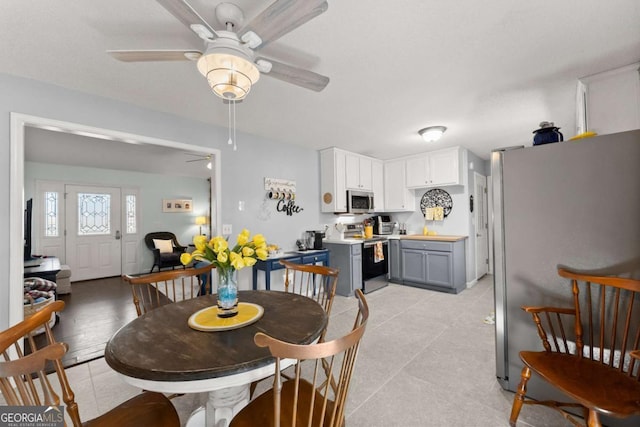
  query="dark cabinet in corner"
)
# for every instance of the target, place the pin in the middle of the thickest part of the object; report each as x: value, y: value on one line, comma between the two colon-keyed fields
x: 437, y: 265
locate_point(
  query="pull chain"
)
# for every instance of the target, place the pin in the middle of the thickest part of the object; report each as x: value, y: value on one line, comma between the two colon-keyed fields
x: 235, y: 140
x: 230, y: 141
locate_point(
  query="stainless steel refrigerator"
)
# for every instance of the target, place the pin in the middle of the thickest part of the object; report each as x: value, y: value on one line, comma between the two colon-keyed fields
x: 575, y: 203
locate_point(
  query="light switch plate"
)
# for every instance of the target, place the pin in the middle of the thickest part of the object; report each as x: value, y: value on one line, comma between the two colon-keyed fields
x: 227, y: 229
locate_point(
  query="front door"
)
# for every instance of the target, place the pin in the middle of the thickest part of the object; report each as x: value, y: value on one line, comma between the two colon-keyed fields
x: 480, y: 216
x: 93, y: 231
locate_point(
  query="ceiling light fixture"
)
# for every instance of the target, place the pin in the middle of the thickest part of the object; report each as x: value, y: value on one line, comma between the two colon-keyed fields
x: 230, y: 71
x: 229, y: 68
x: 432, y: 133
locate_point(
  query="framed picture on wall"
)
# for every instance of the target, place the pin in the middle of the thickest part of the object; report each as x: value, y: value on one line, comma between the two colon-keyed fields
x: 177, y: 205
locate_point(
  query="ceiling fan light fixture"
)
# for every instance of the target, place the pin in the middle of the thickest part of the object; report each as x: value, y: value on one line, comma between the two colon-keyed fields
x: 230, y: 76
x: 432, y: 133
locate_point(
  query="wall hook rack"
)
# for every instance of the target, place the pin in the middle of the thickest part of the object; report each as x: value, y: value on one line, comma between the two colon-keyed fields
x: 280, y: 189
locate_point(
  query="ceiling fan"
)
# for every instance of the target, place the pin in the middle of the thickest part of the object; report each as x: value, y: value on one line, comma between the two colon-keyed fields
x: 230, y: 60
x: 200, y: 157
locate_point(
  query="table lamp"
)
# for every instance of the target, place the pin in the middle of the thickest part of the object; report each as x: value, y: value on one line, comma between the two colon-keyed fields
x: 201, y: 220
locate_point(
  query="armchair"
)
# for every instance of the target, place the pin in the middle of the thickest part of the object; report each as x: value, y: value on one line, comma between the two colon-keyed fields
x: 166, y: 249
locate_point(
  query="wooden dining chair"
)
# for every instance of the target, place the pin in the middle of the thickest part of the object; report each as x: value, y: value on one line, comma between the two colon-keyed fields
x: 307, y: 400
x: 24, y: 382
x: 591, y: 350
x: 156, y: 289
x: 314, y: 281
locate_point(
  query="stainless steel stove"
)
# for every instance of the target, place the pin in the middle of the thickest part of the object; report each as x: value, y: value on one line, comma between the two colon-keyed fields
x: 356, y: 231
x: 375, y: 257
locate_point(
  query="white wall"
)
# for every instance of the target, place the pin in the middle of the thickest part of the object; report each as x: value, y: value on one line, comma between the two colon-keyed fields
x: 242, y: 171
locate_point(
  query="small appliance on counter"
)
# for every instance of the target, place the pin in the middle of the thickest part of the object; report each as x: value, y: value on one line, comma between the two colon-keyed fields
x: 382, y: 225
x: 312, y: 239
x: 301, y: 244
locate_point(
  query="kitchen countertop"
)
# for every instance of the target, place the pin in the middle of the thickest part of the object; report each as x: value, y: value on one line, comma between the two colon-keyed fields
x: 437, y: 238
x: 342, y: 241
x: 294, y: 253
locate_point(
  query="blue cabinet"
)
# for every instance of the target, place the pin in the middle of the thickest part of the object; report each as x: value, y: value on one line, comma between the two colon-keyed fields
x: 273, y: 264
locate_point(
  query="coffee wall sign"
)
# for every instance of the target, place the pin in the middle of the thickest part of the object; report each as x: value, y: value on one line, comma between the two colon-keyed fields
x: 289, y: 207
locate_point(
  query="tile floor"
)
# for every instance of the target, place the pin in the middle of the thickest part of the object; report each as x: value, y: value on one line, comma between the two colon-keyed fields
x: 427, y: 359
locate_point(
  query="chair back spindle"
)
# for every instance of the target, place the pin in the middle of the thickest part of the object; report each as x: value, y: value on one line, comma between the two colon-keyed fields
x: 153, y: 290
x: 314, y: 281
x: 607, y: 322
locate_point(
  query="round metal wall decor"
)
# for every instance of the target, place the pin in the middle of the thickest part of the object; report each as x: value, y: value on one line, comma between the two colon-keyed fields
x: 434, y: 198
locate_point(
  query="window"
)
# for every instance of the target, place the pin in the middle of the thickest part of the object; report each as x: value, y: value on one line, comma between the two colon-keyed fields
x: 94, y: 214
x: 51, y: 214
x: 130, y: 213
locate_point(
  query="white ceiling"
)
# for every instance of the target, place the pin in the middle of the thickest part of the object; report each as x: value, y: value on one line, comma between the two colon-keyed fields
x: 46, y: 146
x: 489, y: 71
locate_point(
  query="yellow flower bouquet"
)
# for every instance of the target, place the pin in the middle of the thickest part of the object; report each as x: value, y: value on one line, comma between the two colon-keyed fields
x: 227, y: 261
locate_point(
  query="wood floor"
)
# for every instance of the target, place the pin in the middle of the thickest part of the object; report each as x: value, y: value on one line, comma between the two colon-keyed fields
x: 94, y: 311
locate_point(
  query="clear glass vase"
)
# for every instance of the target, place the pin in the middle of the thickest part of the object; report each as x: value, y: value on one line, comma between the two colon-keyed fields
x: 227, y: 292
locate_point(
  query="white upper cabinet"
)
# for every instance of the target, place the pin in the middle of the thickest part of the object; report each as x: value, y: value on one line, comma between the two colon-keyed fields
x: 444, y: 167
x: 377, y: 184
x: 609, y: 102
x: 333, y: 191
x: 358, y: 172
x: 418, y: 171
x: 397, y: 197
x: 434, y: 169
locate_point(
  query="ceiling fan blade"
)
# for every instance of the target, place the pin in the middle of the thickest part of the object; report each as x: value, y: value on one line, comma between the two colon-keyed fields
x: 283, y: 16
x: 297, y: 76
x: 186, y: 14
x: 154, y: 55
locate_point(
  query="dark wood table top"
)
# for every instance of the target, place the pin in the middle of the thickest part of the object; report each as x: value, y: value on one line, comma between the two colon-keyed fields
x: 160, y: 345
x: 46, y: 265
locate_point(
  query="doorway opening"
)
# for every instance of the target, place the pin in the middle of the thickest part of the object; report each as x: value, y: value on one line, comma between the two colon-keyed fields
x: 19, y: 124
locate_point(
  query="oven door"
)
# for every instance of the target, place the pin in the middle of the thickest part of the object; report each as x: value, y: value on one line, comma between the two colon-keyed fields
x: 374, y: 265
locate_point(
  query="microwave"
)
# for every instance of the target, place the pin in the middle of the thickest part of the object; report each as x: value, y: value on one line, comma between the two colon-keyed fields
x: 359, y: 202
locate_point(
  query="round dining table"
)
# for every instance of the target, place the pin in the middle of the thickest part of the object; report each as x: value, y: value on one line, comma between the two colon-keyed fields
x: 159, y: 351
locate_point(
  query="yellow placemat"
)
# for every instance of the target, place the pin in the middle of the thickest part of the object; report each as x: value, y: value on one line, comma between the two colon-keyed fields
x: 207, y: 319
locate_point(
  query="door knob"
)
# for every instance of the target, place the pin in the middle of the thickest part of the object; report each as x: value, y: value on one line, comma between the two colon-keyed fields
x: 117, y: 234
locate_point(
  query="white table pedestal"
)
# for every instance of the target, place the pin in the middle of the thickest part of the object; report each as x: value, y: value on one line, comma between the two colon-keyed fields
x: 223, y: 404
x: 220, y: 408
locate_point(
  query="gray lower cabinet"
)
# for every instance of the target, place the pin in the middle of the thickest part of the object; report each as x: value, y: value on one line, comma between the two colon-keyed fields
x: 395, y: 266
x: 348, y: 258
x: 433, y: 265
